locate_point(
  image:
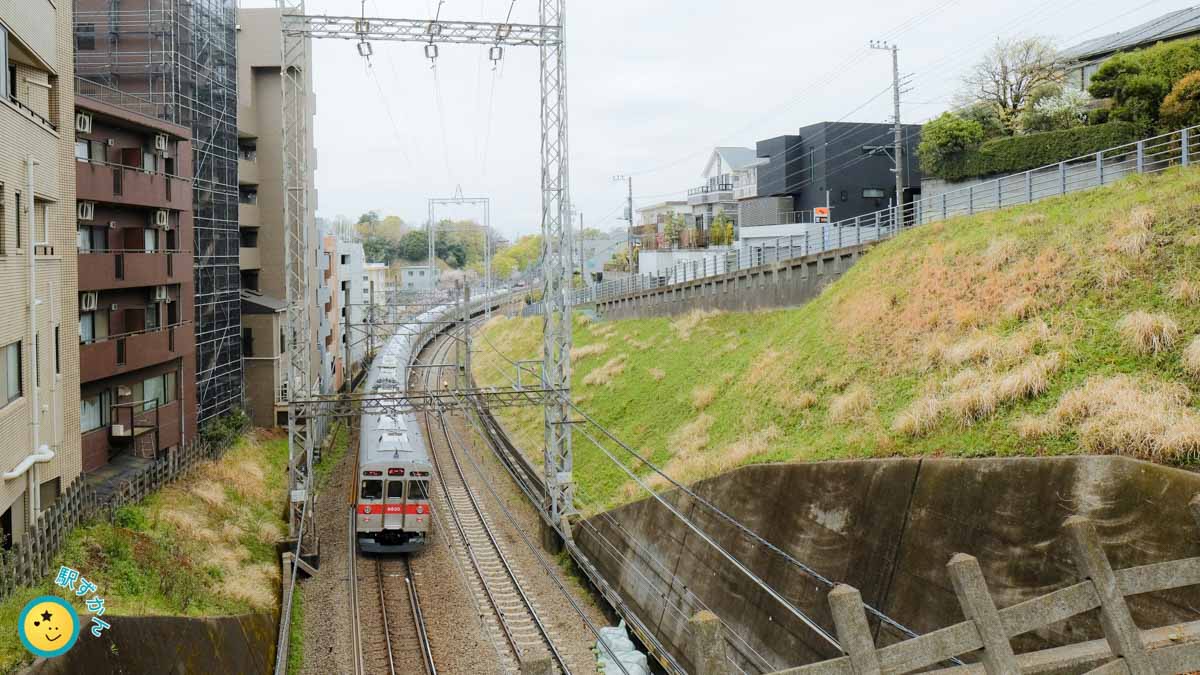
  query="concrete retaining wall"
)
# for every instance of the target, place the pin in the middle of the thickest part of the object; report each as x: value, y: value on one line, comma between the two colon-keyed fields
x: 888, y: 527
x: 167, y: 644
x: 784, y: 284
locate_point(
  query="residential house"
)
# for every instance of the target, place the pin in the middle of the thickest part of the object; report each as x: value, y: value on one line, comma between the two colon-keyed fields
x: 651, y: 219
x: 329, y: 299
x: 411, y: 278
x: 39, y: 343
x: 354, y: 298
x: 1083, y: 60
x: 133, y: 176
x: 716, y: 195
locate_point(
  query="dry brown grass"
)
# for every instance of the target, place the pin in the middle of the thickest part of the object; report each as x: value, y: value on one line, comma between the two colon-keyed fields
x: 604, y: 375
x: 656, y: 374
x: 1132, y: 235
x: 919, y: 418
x: 691, y: 437
x: 703, y: 396
x: 794, y: 401
x: 1021, y: 308
x: 1148, y: 333
x: 1191, y: 358
x: 1032, y: 219
x: 580, y: 353
x: 1186, y: 291
x: 766, y: 367
x: 1124, y: 415
x: 987, y: 348
x: 1000, y: 252
x: 1110, y: 274
x: 209, y: 492
x: 693, y: 465
x: 852, y: 405
x: 1032, y: 427
x: 684, y: 325
x: 254, y: 584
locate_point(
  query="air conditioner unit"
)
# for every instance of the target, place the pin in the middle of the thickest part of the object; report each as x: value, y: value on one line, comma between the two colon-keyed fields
x: 112, y: 224
x: 83, y: 123
x: 87, y: 301
x: 123, y: 391
x: 160, y: 218
x: 119, y: 430
x: 160, y: 293
x: 160, y: 142
x: 85, y: 210
x: 110, y: 142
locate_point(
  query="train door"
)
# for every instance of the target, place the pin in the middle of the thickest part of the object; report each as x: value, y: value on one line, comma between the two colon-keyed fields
x: 416, y: 516
x: 393, y: 508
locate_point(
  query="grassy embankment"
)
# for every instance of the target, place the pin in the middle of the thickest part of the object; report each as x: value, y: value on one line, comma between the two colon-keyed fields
x: 1068, y: 326
x: 202, y: 546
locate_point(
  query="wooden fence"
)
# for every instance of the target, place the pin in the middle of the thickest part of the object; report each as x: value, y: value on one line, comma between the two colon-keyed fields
x: 987, y: 630
x: 29, y: 560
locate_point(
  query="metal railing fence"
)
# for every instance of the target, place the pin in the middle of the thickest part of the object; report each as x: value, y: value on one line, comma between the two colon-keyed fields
x: 1147, y: 156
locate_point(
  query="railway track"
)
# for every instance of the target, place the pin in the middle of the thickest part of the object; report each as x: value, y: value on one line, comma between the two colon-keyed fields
x: 514, y: 624
x: 388, y: 630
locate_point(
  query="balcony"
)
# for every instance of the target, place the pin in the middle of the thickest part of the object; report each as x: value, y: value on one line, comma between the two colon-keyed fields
x: 249, y: 215
x: 116, y: 268
x: 118, y: 354
x: 247, y: 171
x: 715, y: 191
x: 249, y: 258
x: 745, y: 191
x: 119, y: 184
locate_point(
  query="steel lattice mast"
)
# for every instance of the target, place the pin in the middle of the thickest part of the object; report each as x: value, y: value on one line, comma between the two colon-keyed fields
x: 556, y: 226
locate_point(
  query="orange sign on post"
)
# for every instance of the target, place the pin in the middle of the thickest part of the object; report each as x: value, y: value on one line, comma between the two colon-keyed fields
x: 821, y: 214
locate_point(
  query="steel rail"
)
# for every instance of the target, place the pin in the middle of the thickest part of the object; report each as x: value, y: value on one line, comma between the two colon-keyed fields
x: 387, y: 631
x: 414, y: 600
x: 352, y: 579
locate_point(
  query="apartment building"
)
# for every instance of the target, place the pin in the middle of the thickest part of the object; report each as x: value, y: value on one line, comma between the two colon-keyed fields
x: 177, y: 60
x: 39, y: 353
x: 133, y: 177
x: 352, y: 282
x: 261, y: 222
x: 329, y: 310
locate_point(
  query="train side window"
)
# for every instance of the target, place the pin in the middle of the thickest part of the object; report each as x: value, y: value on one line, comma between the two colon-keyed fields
x: 395, y: 489
x: 418, y: 489
x: 371, y: 489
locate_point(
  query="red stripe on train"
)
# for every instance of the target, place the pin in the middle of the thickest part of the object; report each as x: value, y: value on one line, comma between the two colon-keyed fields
x: 393, y: 509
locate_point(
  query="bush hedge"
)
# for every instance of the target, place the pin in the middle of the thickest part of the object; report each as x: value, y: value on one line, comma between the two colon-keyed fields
x: 1021, y: 153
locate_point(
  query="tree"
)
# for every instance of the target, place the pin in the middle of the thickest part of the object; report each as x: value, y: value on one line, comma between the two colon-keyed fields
x: 522, y: 255
x: 368, y: 223
x: 720, y: 236
x: 944, y: 138
x: 1009, y: 73
x: 1181, y: 107
x: 392, y: 227
x: 413, y: 246
x: 1139, y: 81
x: 1064, y: 109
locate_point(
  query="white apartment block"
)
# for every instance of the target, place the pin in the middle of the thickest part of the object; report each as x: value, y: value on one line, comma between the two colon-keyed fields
x: 39, y: 332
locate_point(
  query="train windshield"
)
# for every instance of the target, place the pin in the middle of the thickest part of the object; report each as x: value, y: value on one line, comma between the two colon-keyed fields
x: 395, y: 489
x: 371, y: 489
x: 418, y: 489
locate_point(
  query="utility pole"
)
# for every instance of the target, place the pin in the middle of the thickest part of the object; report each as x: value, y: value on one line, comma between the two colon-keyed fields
x: 628, y: 217
x: 582, y: 267
x: 898, y: 150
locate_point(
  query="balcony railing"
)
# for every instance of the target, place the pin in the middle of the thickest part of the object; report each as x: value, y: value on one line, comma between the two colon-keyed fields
x: 106, y: 94
x: 124, y: 352
x: 712, y: 187
x: 100, y: 269
x: 33, y: 114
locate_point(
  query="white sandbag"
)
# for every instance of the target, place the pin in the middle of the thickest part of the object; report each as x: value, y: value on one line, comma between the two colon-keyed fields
x: 617, y: 640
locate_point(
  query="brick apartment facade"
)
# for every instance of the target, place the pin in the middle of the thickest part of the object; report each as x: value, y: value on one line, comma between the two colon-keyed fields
x: 137, y: 345
x: 39, y: 354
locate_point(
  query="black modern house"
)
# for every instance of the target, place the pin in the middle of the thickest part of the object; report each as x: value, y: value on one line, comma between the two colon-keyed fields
x: 848, y: 163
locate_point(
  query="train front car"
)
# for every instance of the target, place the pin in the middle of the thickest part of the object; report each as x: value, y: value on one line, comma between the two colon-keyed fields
x: 394, y: 469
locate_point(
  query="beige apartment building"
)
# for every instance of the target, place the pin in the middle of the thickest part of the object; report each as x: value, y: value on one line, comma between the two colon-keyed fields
x: 260, y: 216
x: 39, y: 328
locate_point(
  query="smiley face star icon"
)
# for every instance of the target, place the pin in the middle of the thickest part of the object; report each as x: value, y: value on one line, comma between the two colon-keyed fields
x: 48, y: 626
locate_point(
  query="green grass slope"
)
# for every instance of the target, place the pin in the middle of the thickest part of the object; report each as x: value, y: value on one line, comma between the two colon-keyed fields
x: 1069, y: 326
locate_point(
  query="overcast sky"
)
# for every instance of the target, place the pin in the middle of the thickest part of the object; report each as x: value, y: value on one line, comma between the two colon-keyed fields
x: 653, y: 86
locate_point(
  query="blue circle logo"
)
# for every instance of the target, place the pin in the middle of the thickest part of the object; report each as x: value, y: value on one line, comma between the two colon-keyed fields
x: 48, y: 626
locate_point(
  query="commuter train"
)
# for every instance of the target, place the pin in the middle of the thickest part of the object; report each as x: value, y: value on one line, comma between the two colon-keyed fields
x: 395, y: 472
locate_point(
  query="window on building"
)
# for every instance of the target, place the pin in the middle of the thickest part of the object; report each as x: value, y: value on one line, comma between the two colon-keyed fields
x: 93, y: 326
x: 247, y: 342
x: 249, y: 237
x: 152, y: 392
x: 150, y: 239
x: 95, y: 411
x: 6, y: 78
x: 345, y: 259
x: 873, y: 193
x: 3, y: 223
x: 91, y: 238
x: 10, y: 373
x: 85, y: 36
x: 83, y: 151
x: 248, y: 196
x: 149, y: 161
x: 17, y: 220
x: 152, y: 316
